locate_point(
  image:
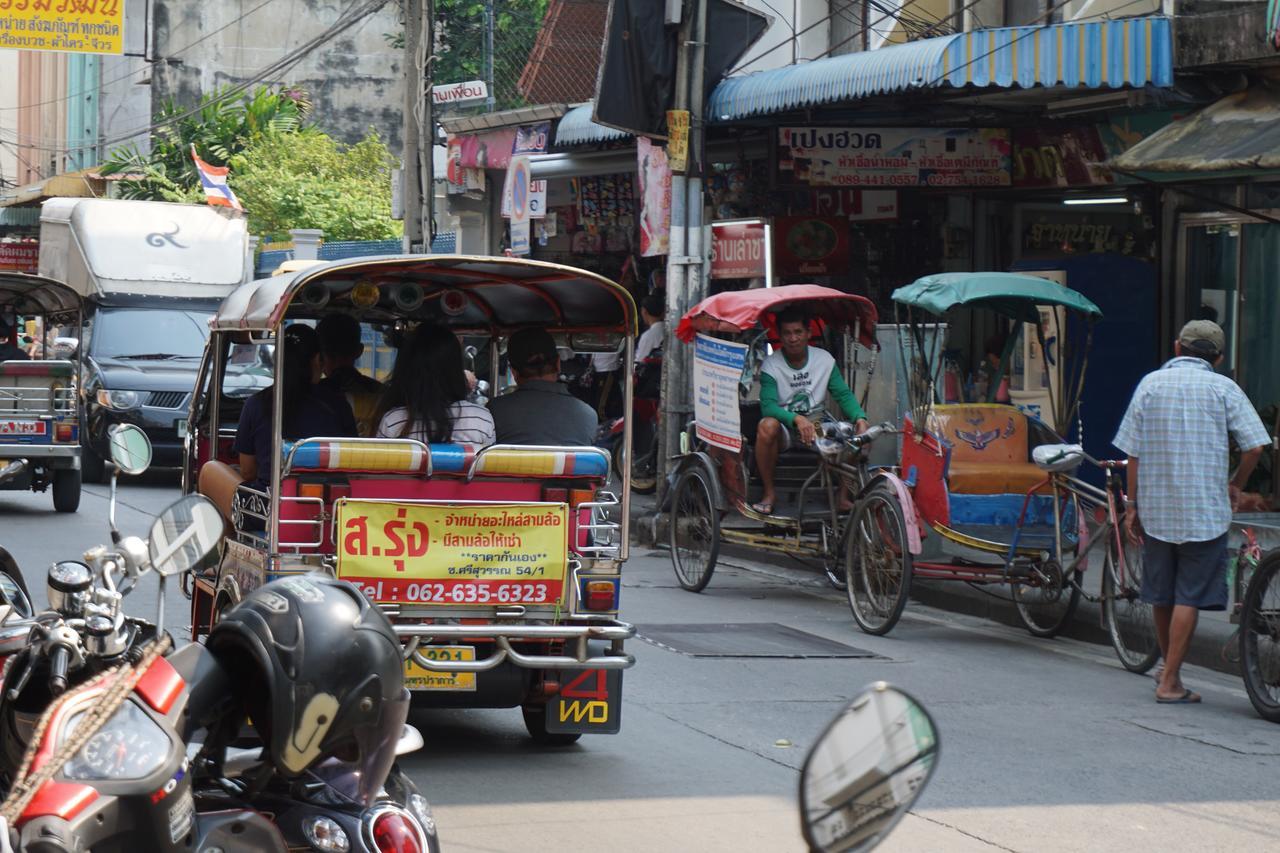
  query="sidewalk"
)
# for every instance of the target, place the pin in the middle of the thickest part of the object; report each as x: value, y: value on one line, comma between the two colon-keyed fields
x: 1214, y: 633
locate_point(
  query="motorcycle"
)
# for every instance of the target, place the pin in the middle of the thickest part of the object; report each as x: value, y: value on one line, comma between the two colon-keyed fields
x: 866, y: 770
x: 103, y: 726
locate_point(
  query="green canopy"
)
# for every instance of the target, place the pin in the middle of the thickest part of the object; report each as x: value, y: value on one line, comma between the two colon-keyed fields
x: 1012, y: 294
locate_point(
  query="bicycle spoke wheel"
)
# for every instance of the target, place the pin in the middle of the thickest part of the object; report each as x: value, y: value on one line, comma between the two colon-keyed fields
x: 1260, y: 638
x: 695, y: 530
x: 1045, y: 605
x: 877, y: 562
x: 1129, y: 619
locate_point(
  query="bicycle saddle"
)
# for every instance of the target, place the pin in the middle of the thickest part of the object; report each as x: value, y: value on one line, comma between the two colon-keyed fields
x: 1058, y: 457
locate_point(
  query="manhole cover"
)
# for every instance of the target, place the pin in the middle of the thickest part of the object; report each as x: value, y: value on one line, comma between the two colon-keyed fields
x: 746, y: 640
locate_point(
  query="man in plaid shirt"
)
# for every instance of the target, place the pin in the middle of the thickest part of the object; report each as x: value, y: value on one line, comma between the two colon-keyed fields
x: 1180, y: 495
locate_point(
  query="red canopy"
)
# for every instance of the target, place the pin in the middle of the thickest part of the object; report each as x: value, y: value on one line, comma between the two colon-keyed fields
x: 740, y: 310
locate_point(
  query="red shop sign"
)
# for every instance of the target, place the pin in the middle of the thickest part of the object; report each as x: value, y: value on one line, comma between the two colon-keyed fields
x: 23, y: 257
x: 810, y: 245
x: 737, y: 250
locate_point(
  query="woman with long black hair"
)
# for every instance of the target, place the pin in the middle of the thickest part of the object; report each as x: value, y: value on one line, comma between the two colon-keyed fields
x: 310, y: 410
x: 426, y: 398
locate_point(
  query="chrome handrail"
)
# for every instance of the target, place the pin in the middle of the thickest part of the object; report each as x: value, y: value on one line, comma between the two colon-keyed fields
x: 502, y: 635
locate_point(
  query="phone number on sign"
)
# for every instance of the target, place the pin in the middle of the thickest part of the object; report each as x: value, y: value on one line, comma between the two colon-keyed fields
x: 459, y: 592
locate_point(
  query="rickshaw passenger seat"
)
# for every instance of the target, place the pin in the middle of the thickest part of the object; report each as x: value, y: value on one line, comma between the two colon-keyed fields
x: 218, y: 482
x: 358, y: 456
x: 989, y: 448
x: 510, y: 460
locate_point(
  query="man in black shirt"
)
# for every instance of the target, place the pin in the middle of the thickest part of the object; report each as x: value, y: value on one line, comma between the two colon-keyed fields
x: 341, y: 347
x: 9, y: 351
x: 541, y: 410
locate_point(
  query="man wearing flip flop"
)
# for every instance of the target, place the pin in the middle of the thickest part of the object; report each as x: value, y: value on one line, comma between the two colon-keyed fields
x: 794, y: 383
x: 1180, y: 494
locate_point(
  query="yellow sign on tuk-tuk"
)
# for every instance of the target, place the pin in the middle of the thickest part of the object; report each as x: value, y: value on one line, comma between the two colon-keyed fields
x: 474, y: 555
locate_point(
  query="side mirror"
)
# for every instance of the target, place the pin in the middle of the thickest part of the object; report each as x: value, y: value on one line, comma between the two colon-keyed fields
x: 185, y: 536
x: 866, y: 770
x: 12, y: 595
x: 130, y: 448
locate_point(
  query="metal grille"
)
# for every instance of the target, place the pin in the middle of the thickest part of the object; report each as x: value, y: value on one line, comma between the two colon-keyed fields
x: 166, y: 399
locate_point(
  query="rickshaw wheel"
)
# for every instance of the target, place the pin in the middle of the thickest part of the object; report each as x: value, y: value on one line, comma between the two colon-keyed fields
x: 1129, y: 619
x: 1044, y: 610
x: 695, y: 530
x: 535, y: 722
x: 877, y: 562
x: 1260, y: 638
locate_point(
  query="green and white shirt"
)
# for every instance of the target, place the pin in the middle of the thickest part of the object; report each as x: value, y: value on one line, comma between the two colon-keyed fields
x: 787, y: 391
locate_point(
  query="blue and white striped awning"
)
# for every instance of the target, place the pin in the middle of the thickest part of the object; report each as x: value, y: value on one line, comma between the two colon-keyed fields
x: 577, y: 128
x: 1133, y: 52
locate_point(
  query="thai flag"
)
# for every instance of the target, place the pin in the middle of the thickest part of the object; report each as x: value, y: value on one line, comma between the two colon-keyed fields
x: 214, y: 181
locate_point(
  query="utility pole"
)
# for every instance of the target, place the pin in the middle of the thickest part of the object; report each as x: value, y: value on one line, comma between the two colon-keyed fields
x: 491, y: 101
x: 685, y: 285
x: 413, y: 199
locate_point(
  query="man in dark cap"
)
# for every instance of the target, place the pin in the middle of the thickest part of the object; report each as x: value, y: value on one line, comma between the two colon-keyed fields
x: 1181, y: 494
x: 541, y: 410
x: 341, y: 347
x: 9, y: 351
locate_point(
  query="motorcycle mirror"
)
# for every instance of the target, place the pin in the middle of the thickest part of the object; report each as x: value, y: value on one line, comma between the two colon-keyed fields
x: 130, y: 448
x: 186, y: 535
x: 866, y: 770
x: 11, y: 594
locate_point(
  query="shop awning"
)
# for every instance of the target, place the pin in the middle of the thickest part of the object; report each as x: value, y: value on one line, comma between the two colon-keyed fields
x: 577, y: 128
x: 1094, y: 55
x: 86, y: 183
x: 1240, y: 133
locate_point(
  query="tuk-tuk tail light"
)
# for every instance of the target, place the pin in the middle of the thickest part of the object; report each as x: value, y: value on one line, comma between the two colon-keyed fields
x: 572, y: 497
x: 600, y: 594
x: 64, y: 432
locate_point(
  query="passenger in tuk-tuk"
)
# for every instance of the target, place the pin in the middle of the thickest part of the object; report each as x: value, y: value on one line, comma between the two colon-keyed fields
x: 310, y: 409
x: 341, y: 346
x: 541, y: 411
x: 426, y: 398
x: 794, y: 383
x: 9, y: 351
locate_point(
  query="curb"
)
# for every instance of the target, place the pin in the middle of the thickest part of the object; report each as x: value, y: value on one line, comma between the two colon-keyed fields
x: 1211, y: 637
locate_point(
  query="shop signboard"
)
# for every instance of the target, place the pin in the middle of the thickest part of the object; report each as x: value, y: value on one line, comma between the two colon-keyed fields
x: 654, y: 176
x: 895, y: 156
x: 1067, y: 157
x: 810, y: 245
x: 532, y: 138
x: 460, y: 93
x: 96, y: 27
x: 717, y: 367
x: 23, y: 257
x: 738, y: 249
x: 856, y: 205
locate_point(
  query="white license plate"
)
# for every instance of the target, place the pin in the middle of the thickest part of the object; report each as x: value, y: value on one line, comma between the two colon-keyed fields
x: 418, y: 678
x: 181, y: 427
x: 22, y: 428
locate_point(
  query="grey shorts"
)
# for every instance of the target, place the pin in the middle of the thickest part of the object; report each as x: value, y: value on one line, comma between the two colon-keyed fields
x: 1193, y: 574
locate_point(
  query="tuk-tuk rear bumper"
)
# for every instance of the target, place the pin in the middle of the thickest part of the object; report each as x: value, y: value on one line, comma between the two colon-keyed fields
x: 577, y: 640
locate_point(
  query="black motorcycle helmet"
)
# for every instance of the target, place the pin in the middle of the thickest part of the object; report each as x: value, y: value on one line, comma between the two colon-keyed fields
x: 319, y: 672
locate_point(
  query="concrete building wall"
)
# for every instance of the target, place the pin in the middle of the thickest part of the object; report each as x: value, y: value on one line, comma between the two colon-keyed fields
x: 800, y: 31
x: 354, y: 79
x: 8, y: 117
x: 42, y: 115
x: 125, y: 103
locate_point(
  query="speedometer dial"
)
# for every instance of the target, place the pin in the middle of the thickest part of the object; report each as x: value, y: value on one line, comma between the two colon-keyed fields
x: 129, y: 746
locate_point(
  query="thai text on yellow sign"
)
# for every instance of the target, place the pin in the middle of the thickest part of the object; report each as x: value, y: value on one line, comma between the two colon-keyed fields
x: 73, y: 26
x: 463, y: 554
x: 678, y: 139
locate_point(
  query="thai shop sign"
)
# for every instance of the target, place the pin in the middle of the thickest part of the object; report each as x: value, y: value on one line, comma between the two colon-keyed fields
x: 894, y: 156
x: 739, y: 249
x: 56, y: 25
x: 23, y: 257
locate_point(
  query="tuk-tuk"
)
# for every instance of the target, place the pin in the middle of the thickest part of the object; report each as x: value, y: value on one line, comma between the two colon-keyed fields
x: 500, y: 566
x: 39, y: 406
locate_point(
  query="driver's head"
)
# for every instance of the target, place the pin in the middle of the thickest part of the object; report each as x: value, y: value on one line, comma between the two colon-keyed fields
x: 532, y: 355
x: 793, y: 332
x: 1202, y: 339
x: 340, y: 342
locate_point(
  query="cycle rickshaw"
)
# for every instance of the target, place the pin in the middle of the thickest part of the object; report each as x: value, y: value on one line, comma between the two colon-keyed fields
x: 988, y: 494
x: 709, y: 499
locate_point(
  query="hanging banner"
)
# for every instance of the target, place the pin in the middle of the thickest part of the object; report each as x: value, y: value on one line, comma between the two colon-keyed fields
x: 96, y: 27
x: 520, y: 237
x: 895, y: 156
x: 738, y: 249
x: 678, y: 139
x: 810, y: 245
x: 532, y: 138
x: 654, y: 175
x: 717, y: 367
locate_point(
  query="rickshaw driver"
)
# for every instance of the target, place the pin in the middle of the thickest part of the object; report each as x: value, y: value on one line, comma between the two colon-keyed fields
x: 9, y: 351
x: 794, y: 383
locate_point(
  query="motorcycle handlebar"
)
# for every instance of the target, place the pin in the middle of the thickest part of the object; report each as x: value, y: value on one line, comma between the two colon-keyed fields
x: 59, y: 659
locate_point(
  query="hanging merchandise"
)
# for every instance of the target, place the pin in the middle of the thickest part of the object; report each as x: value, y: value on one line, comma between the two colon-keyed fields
x: 654, y: 175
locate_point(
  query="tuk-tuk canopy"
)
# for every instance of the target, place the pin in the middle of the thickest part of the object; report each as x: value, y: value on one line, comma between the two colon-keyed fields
x: 1011, y: 294
x: 474, y: 293
x: 739, y: 310
x: 21, y: 293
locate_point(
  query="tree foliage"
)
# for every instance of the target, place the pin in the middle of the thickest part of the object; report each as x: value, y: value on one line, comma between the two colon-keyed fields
x: 287, y: 173
x: 310, y: 180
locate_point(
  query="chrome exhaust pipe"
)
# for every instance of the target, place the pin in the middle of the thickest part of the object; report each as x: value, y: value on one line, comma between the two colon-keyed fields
x: 13, y: 469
